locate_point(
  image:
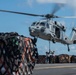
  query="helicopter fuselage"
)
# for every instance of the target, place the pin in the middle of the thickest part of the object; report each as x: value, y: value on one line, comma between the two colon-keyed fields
x: 49, y: 30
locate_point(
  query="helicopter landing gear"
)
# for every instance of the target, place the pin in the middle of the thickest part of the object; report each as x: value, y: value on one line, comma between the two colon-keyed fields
x: 53, y: 40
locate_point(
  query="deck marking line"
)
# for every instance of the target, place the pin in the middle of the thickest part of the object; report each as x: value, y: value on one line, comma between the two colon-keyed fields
x: 40, y: 68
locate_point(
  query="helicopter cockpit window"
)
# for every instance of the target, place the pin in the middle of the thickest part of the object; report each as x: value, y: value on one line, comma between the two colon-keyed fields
x: 33, y: 23
x: 37, y: 23
x: 42, y: 24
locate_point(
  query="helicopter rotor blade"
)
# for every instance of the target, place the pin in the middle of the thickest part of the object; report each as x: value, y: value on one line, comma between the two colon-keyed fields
x: 57, y: 7
x: 21, y: 13
x: 48, y: 16
x: 54, y: 16
x: 67, y: 17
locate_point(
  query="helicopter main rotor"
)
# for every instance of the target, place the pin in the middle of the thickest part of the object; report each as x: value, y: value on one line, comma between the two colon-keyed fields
x: 47, y: 16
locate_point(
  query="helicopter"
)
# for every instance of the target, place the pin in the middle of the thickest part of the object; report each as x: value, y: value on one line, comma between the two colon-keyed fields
x: 48, y: 29
x: 52, y: 31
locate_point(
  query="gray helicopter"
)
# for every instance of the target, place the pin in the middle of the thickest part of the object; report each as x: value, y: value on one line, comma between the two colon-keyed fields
x: 48, y: 29
x: 53, y: 31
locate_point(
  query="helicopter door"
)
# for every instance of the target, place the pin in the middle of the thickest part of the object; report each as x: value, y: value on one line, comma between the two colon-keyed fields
x: 57, y: 32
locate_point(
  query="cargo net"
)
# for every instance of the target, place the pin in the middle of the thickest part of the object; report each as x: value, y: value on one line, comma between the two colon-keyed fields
x: 17, y: 54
